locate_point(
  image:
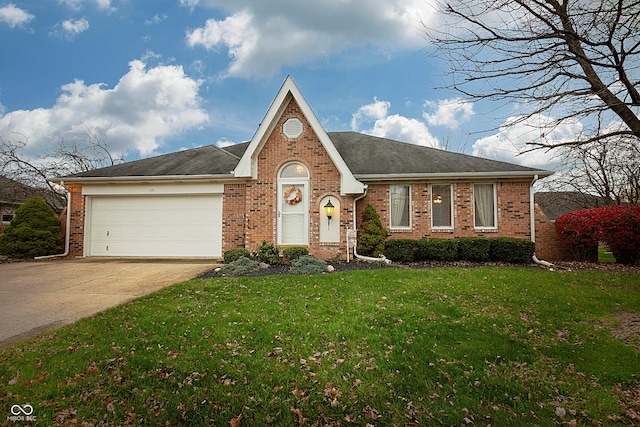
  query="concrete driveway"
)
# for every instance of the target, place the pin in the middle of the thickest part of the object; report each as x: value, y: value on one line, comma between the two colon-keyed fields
x: 38, y: 296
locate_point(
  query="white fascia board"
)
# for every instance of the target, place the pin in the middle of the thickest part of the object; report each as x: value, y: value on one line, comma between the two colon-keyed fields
x: 247, y: 167
x: 454, y: 176
x: 153, y: 189
x: 143, y: 179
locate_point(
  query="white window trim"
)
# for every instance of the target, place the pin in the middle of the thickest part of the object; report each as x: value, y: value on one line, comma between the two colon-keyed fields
x: 400, y: 228
x: 495, y: 207
x: 446, y: 227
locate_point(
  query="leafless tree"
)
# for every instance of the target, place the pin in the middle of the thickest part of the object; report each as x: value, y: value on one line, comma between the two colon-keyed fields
x: 577, y: 59
x: 601, y: 173
x: 83, y: 152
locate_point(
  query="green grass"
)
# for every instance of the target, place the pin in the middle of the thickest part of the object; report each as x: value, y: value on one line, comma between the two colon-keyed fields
x: 605, y: 255
x: 499, y: 346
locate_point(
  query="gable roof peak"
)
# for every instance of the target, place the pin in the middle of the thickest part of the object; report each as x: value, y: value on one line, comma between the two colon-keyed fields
x: 248, y: 164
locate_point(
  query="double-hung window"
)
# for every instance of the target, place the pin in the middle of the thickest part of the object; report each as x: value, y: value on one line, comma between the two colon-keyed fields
x: 484, y: 200
x: 441, y: 206
x: 400, y: 202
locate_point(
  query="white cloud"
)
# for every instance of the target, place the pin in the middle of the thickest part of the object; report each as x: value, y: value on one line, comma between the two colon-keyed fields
x: 449, y: 112
x: 511, y: 143
x: 14, y: 16
x: 157, y: 19
x: 374, y: 111
x: 144, y: 107
x: 393, y: 127
x: 404, y: 129
x: 261, y: 37
x: 100, y: 4
x: 224, y: 142
x: 73, y: 28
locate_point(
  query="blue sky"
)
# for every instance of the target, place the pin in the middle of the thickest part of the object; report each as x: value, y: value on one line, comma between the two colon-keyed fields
x: 151, y: 77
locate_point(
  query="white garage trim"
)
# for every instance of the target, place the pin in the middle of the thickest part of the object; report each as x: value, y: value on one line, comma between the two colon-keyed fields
x: 151, y: 225
x: 152, y: 189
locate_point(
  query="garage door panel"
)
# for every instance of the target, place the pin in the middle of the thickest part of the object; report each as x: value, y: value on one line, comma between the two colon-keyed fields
x: 161, y: 226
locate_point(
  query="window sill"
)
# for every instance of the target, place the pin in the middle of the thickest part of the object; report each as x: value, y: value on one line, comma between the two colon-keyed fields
x: 486, y: 229
x: 442, y: 229
x: 400, y: 230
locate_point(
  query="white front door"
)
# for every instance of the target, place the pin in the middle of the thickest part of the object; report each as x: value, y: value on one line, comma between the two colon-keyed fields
x: 293, y: 214
x: 293, y: 205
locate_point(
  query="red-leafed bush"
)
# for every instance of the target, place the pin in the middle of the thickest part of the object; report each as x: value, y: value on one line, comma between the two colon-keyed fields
x: 579, y: 230
x: 618, y: 226
x: 621, y: 231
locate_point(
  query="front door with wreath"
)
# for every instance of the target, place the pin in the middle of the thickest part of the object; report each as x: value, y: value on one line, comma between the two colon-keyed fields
x: 293, y: 205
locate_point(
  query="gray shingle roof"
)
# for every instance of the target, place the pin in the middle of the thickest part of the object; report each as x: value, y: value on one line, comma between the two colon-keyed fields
x: 366, y: 156
x: 369, y: 155
x: 557, y: 203
x: 207, y: 160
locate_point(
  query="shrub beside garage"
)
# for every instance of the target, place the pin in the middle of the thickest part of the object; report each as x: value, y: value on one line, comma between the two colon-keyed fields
x: 34, y: 231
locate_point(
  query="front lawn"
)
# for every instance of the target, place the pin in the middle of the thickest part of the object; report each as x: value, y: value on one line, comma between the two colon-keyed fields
x: 444, y: 346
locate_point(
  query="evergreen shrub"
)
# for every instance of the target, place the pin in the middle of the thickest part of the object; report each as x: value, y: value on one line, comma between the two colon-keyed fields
x: 400, y: 250
x: 371, y: 234
x: 437, y: 249
x: 294, y: 252
x: 234, y: 254
x: 34, y: 231
x: 474, y: 249
x: 267, y: 253
x: 240, y: 266
x: 511, y: 250
x: 306, y: 265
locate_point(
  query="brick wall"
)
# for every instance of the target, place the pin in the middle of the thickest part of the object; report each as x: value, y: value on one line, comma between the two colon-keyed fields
x: 234, y: 218
x: 513, y: 210
x: 76, y: 236
x: 261, y: 194
x: 548, y: 246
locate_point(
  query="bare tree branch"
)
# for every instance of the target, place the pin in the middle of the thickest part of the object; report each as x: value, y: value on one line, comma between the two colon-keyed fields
x: 83, y: 152
x: 561, y: 58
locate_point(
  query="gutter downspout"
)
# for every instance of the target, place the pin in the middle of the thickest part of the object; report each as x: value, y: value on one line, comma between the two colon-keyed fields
x: 533, y: 224
x: 382, y: 258
x: 67, y: 231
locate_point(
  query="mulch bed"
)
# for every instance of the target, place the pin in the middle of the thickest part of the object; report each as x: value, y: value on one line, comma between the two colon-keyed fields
x: 363, y: 265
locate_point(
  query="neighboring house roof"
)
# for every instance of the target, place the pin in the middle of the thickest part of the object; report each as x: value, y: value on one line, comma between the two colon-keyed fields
x: 15, y: 193
x: 554, y: 204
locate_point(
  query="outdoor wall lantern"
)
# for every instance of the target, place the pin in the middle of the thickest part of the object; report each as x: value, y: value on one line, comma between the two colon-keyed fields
x: 328, y: 209
x: 438, y: 199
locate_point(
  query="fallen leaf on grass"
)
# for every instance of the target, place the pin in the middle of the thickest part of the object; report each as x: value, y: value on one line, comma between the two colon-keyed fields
x: 93, y: 369
x: 371, y: 413
x: 298, y: 412
x: 235, y: 421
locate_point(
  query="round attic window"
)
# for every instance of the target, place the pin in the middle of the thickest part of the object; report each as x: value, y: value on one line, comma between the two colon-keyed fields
x: 292, y: 128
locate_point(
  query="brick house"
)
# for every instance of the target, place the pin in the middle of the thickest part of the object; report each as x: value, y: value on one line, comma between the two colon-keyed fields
x: 205, y: 201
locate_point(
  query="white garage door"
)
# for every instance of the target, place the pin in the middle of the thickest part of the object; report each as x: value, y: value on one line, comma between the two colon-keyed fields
x: 156, y: 226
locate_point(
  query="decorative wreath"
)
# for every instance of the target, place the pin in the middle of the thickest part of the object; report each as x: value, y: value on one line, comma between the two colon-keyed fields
x: 293, y: 195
